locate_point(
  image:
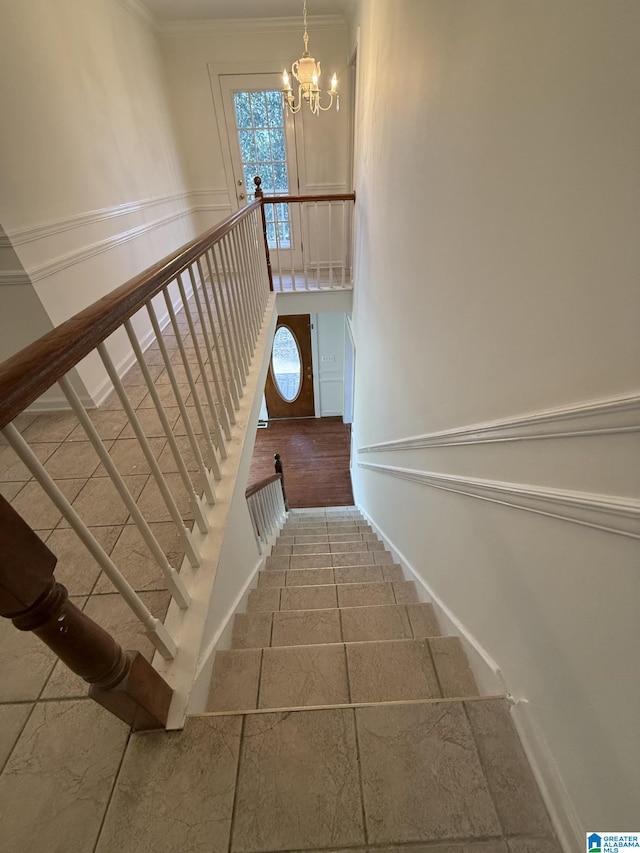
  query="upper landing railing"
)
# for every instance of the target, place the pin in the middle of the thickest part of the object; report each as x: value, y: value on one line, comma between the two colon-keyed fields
x: 149, y: 463
x: 308, y: 240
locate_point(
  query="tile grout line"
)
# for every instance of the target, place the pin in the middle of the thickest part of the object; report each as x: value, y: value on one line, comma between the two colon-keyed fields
x: 358, y: 756
x: 435, y: 668
x: 116, y: 777
x: 260, y: 677
x: 237, y: 781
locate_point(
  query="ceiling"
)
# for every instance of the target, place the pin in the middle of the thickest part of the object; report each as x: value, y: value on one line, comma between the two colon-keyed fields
x: 206, y: 10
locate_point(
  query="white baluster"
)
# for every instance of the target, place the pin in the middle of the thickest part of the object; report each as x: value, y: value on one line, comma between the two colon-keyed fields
x: 262, y: 261
x: 194, y: 502
x: 193, y: 441
x: 306, y: 247
x: 174, y: 583
x: 238, y: 302
x: 315, y: 206
x: 154, y: 628
x: 252, y: 279
x: 224, y: 365
x: 187, y: 540
x: 190, y: 379
x: 245, y: 285
x: 252, y: 516
x: 293, y: 272
x: 203, y: 373
x: 234, y: 307
x: 225, y: 322
x: 343, y: 232
x: 330, y: 206
x: 214, y: 367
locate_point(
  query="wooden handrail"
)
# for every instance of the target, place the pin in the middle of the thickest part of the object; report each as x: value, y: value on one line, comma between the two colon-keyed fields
x: 261, y: 484
x: 285, y: 199
x: 29, y: 373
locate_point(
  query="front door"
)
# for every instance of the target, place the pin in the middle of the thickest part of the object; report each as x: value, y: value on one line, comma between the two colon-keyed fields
x: 262, y: 142
x: 289, y: 387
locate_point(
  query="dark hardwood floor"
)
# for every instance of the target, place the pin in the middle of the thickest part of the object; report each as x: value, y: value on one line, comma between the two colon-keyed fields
x: 315, y: 456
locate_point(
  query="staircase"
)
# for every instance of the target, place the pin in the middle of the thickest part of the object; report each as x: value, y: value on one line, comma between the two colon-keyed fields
x: 340, y: 719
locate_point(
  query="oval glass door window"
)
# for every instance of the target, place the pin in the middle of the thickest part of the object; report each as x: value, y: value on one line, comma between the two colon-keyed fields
x: 286, y: 364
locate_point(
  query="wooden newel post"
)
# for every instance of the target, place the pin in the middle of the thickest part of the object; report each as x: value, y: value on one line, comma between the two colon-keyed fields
x: 259, y: 194
x: 123, y: 682
x: 278, y: 467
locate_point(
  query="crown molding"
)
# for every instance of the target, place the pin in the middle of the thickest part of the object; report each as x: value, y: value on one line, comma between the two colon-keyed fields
x: 229, y: 26
x: 594, y: 417
x: 140, y: 11
x: 610, y: 513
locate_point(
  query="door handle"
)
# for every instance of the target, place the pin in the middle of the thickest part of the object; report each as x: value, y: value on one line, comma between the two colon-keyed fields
x: 241, y: 196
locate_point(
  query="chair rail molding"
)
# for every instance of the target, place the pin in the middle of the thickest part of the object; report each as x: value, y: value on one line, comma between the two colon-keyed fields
x: 12, y: 278
x: 610, y: 513
x: 27, y: 234
x: 190, y: 202
x: 604, y: 415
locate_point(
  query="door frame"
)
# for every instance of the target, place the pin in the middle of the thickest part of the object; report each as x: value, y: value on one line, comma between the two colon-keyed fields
x: 224, y: 69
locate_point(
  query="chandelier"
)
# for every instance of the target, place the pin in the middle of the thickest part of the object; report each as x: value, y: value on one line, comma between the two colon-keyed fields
x: 307, y: 72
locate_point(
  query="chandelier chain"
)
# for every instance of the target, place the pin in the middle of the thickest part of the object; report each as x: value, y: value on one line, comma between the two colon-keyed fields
x: 305, y: 37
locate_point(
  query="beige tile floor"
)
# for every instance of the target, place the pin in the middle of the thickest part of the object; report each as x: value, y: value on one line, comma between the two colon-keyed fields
x: 330, y: 624
x: 406, y: 768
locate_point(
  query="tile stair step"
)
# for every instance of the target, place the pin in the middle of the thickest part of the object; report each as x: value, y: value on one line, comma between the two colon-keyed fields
x: 321, y: 597
x: 334, y: 625
x: 370, y: 778
x: 319, y: 561
x: 329, y: 547
x: 339, y: 674
x: 368, y: 573
x: 326, y: 522
x: 334, y: 537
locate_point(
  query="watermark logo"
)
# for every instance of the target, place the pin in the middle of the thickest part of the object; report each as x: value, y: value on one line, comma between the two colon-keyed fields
x: 613, y: 842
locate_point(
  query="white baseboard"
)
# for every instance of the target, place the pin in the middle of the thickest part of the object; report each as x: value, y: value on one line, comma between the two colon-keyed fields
x: 57, y: 403
x: 565, y: 820
x: 486, y: 671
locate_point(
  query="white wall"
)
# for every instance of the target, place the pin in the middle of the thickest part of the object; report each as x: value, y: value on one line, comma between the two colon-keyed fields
x: 497, y: 263
x: 195, y: 54
x: 92, y: 185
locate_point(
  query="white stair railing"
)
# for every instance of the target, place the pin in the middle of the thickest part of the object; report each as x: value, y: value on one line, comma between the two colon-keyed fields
x: 266, y: 503
x: 308, y: 240
x: 214, y: 293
